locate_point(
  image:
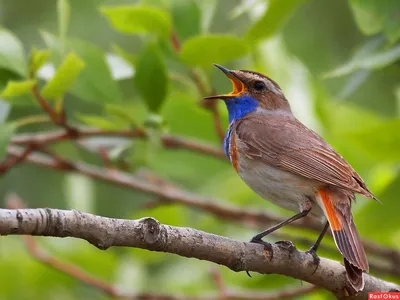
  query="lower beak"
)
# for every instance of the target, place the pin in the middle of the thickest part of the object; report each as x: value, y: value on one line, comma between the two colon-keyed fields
x: 238, y: 85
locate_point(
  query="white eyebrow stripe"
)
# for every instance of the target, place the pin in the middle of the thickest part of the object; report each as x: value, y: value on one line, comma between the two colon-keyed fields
x: 272, y: 87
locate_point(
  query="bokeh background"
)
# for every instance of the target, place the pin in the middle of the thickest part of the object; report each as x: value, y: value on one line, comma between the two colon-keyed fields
x: 337, y: 62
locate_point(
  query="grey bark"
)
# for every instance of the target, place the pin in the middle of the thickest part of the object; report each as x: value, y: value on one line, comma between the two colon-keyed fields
x: 147, y: 233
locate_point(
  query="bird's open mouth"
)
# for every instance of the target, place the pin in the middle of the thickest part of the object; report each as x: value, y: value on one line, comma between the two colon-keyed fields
x: 238, y: 85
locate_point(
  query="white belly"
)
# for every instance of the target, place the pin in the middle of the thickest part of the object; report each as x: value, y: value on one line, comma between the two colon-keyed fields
x: 280, y: 187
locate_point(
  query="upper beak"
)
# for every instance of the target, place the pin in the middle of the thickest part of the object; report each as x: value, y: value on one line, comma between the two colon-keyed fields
x: 238, y: 85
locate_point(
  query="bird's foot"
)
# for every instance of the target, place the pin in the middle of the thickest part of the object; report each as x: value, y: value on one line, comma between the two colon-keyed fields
x: 316, y: 259
x: 267, y: 246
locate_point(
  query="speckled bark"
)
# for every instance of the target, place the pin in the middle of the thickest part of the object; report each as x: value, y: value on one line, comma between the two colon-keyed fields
x: 148, y: 233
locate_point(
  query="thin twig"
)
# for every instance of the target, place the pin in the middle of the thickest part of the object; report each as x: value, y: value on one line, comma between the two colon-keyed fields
x: 45, y: 106
x: 176, y: 45
x: 103, y: 153
x: 202, y: 89
x: 212, y: 106
x: 13, y: 201
x: 168, y: 141
x: 219, y: 283
x: 14, y: 160
x: 57, y: 118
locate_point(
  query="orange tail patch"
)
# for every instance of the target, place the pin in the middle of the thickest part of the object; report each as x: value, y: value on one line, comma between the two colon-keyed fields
x: 330, y: 211
x: 346, y: 237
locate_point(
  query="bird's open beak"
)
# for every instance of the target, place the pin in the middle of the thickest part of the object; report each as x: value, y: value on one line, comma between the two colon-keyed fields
x: 238, y: 85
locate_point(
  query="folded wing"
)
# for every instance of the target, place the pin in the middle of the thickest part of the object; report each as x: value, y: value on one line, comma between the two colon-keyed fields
x: 283, y: 141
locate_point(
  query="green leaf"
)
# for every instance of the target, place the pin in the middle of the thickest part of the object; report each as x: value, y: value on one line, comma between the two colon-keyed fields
x: 64, y: 77
x: 37, y: 59
x: 6, y: 132
x: 95, y: 82
x: 367, y: 58
x: 63, y: 16
x: 276, y: 15
x: 373, y: 16
x: 100, y: 122
x: 12, y: 53
x: 151, y: 77
x: 18, y: 88
x: 121, y: 112
x: 207, y: 49
x: 186, y: 16
x: 138, y: 19
x: 367, y: 20
x: 22, y: 100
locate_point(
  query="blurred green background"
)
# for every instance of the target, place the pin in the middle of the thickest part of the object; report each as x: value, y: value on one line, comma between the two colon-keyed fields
x: 337, y: 62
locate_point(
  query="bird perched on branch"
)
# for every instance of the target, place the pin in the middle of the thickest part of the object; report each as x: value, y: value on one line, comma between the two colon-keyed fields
x: 292, y: 166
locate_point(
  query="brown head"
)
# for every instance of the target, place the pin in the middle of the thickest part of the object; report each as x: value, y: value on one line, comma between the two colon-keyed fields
x: 257, y: 86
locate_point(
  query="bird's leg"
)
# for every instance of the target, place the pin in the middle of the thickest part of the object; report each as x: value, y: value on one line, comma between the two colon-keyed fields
x: 258, y: 238
x: 313, y: 249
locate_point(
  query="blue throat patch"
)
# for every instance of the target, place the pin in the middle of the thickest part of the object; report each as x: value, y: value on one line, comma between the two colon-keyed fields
x: 237, y: 108
x: 240, y: 106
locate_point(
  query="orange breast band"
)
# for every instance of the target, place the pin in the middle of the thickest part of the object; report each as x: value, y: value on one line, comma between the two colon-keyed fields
x: 233, y: 153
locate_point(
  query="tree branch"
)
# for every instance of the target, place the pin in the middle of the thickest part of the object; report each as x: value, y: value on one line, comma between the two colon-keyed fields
x: 13, y: 201
x: 172, y: 194
x: 147, y: 233
x: 14, y: 160
x: 169, y: 141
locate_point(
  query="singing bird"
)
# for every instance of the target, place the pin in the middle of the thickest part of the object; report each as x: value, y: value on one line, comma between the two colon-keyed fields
x: 292, y: 166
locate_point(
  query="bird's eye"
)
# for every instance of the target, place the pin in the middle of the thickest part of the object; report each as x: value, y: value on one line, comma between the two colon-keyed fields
x: 259, y: 85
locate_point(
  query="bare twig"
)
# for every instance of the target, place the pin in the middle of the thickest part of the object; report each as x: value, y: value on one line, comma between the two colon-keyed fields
x: 45, y: 106
x: 219, y: 283
x: 176, y: 45
x: 213, y: 108
x: 14, y: 160
x: 103, y: 153
x: 14, y: 202
x: 202, y: 89
x: 168, y: 141
x: 218, y: 123
x: 57, y: 118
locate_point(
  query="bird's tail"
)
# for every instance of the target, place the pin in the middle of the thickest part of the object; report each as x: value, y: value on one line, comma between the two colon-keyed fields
x: 345, y: 235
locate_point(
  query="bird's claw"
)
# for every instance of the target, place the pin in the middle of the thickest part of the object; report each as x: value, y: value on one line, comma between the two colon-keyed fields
x: 316, y: 259
x: 261, y: 242
x: 266, y: 245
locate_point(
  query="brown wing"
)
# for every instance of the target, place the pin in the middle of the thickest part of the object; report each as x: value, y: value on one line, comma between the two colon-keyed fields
x: 280, y: 140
